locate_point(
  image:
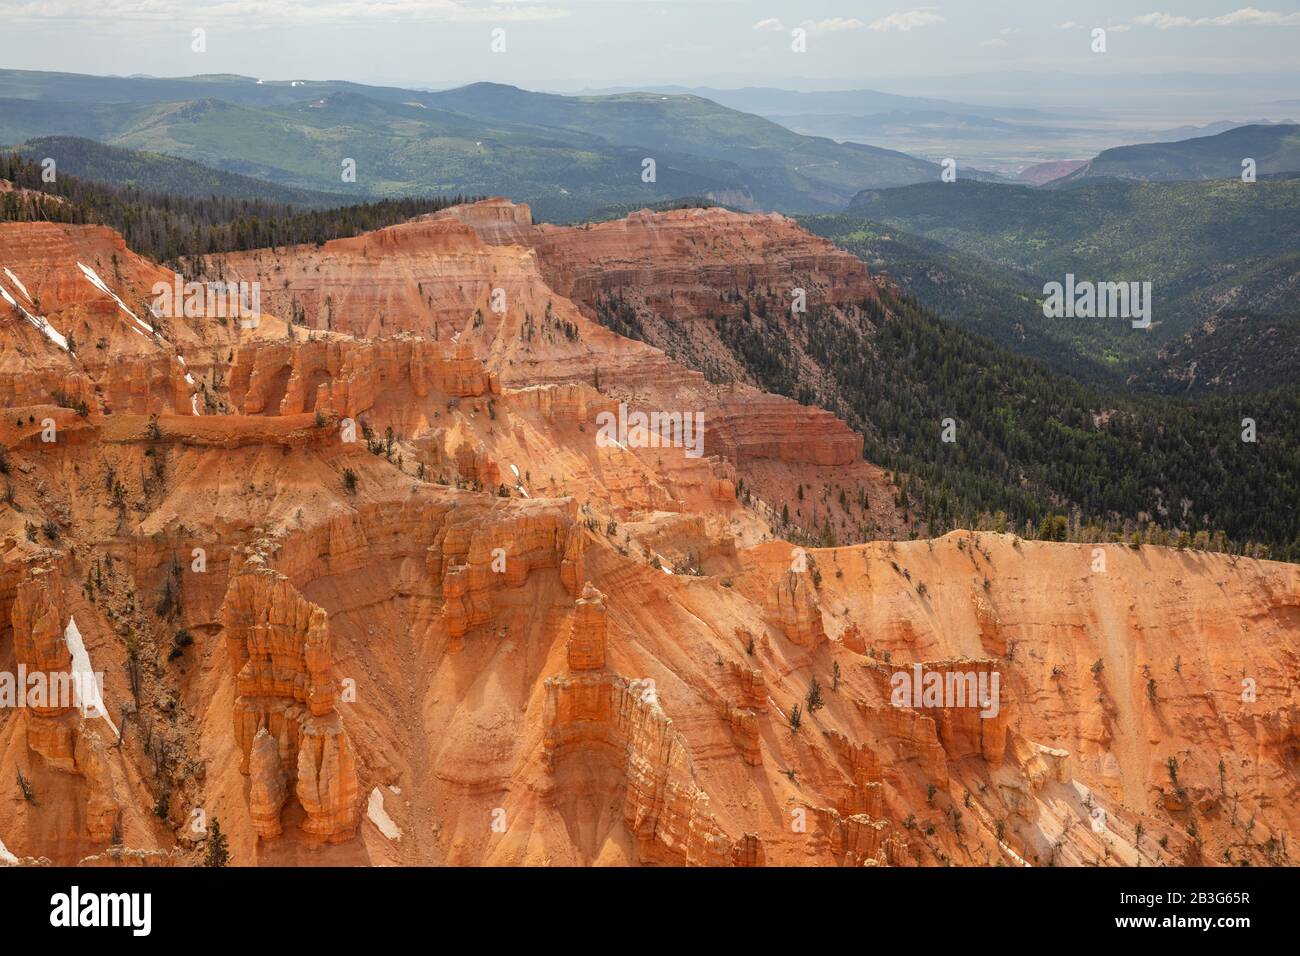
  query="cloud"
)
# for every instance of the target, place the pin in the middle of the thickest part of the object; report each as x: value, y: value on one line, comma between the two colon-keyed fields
x: 833, y: 25
x: 1109, y: 28
x: 911, y: 20
x: 283, y: 11
x: 1000, y: 40
x: 770, y: 25
x: 1246, y: 16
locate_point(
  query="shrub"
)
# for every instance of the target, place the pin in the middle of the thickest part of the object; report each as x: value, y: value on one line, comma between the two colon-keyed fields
x: 182, y: 640
x: 25, y: 786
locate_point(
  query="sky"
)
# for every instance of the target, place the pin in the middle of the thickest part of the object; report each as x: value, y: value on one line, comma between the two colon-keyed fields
x: 565, y: 45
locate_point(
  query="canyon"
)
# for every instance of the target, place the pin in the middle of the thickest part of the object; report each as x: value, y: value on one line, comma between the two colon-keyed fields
x: 365, y: 589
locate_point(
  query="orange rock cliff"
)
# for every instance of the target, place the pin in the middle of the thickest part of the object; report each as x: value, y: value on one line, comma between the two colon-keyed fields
x: 381, y: 584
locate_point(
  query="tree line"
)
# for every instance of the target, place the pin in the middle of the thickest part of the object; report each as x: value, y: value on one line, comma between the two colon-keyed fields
x: 166, y: 227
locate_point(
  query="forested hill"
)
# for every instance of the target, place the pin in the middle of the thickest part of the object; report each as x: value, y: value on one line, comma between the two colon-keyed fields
x: 1201, y: 245
x: 166, y: 227
x: 159, y: 173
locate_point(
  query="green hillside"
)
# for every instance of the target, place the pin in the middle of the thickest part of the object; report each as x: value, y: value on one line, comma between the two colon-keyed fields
x: 1231, y: 352
x: 1275, y: 149
x: 1182, y: 237
x: 700, y: 127
x: 156, y: 172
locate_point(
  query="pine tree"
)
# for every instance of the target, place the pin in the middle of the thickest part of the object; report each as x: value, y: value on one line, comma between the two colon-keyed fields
x: 814, y: 698
x: 218, y: 853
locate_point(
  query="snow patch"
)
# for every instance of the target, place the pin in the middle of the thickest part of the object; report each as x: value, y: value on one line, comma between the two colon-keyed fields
x: 379, y: 816
x: 19, y: 283
x: 84, y: 682
x: 93, y: 278
x: 48, y: 330
x: 5, y: 855
x: 519, y: 484
x: 1013, y: 854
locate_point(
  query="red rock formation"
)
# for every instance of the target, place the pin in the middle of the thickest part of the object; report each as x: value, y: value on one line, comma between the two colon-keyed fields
x: 436, y: 276
x: 743, y: 705
x: 38, y: 626
x: 675, y: 262
x: 793, y: 609
x: 55, y: 729
x: 970, y: 706
x: 586, y: 649
x: 854, y: 840
x: 592, y: 712
x: 285, y: 722
x: 852, y: 639
x: 473, y: 558
x: 108, y: 359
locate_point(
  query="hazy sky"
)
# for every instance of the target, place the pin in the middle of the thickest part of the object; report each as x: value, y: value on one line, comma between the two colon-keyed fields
x: 568, y: 44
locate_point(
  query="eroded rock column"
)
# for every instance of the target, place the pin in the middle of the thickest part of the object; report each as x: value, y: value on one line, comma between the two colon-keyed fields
x: 291, y: 737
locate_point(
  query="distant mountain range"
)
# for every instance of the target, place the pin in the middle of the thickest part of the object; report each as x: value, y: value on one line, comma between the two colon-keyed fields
x: 770, y: 101
x: 1000, y: 139
x: 1275, y: 149
x: 566, y: 155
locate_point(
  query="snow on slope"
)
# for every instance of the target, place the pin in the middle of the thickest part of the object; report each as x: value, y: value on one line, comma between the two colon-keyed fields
x: 84, y: 684
x: 49, y: 331
x: 379, y: 816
